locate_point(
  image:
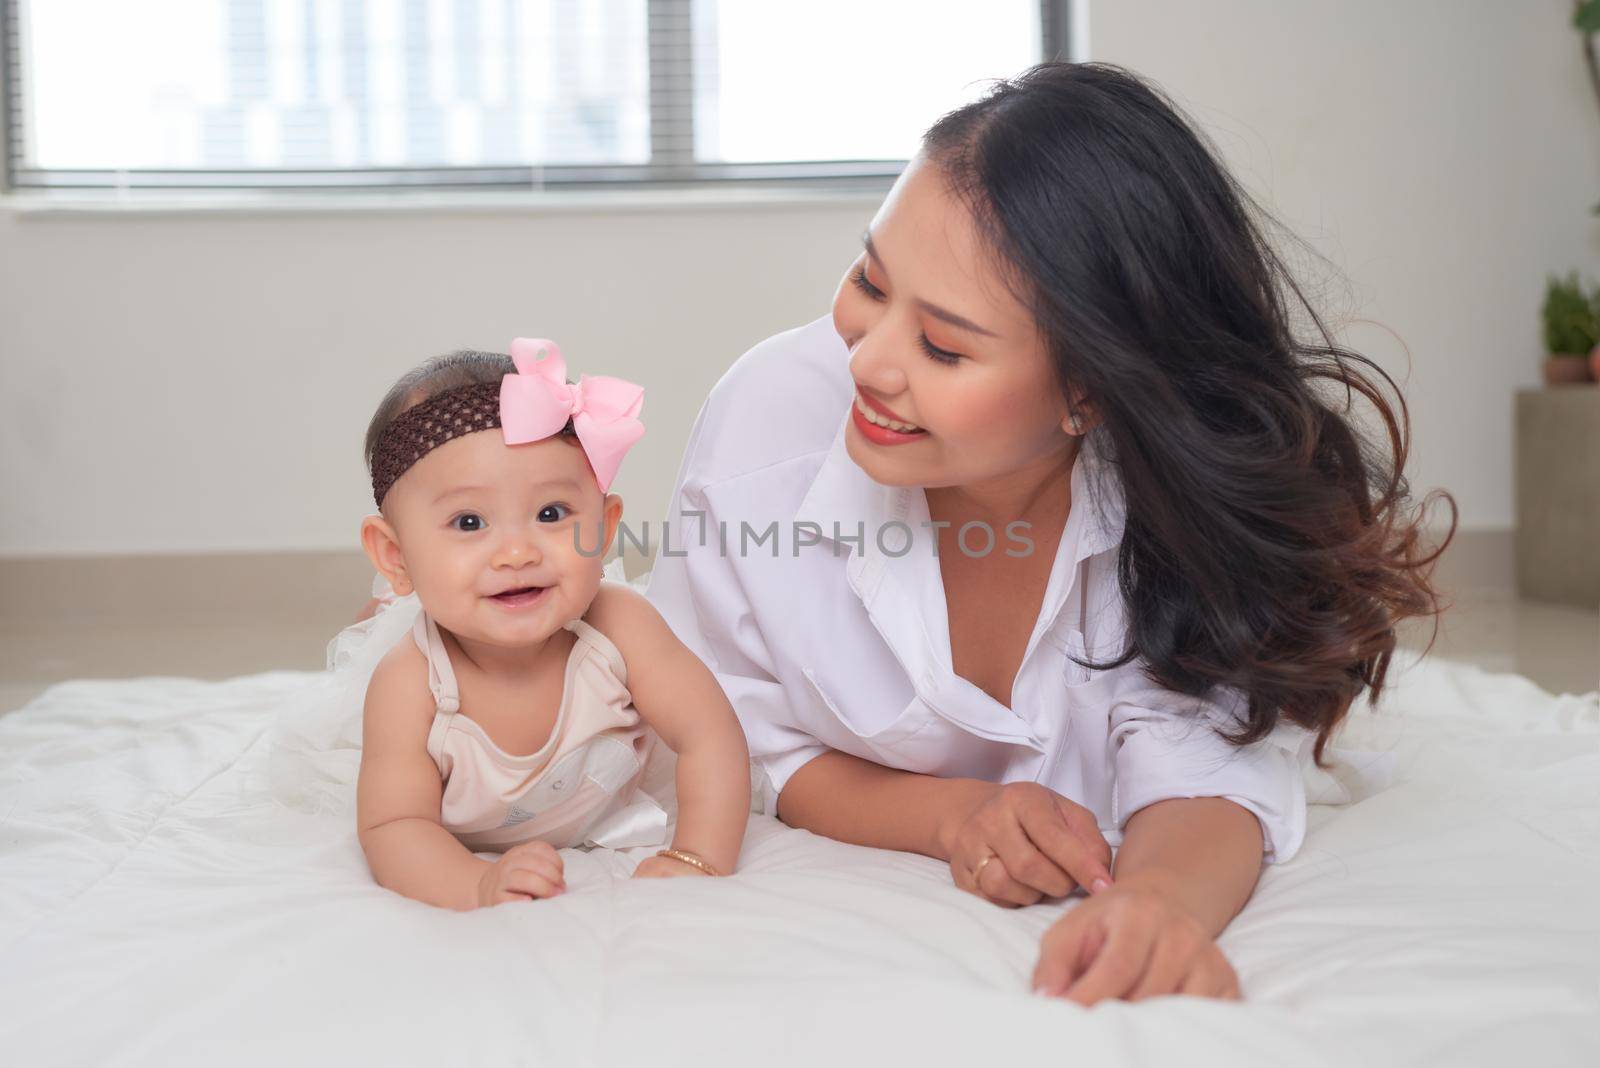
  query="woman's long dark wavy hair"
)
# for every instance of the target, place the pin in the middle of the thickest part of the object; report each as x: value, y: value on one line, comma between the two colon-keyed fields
x: 1270, y: 546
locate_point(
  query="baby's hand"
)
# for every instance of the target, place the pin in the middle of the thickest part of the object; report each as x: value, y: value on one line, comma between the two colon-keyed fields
x: 523, y: 872
x: 659, y: 867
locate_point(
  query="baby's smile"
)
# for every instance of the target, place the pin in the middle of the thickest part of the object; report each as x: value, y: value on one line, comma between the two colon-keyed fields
x: 521, y: 596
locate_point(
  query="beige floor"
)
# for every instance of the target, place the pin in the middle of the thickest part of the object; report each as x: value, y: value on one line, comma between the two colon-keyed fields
x: 1557, y: 647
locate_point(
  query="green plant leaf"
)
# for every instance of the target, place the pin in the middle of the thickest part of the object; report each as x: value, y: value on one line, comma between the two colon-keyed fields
x: 1587, y: 17
x: 1571, y: 316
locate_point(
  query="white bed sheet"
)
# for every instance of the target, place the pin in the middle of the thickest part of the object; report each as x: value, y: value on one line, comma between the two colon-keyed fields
x: 157, y: 906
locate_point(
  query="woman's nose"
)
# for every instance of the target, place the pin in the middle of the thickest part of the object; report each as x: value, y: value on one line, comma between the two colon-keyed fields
x: 875, y: 365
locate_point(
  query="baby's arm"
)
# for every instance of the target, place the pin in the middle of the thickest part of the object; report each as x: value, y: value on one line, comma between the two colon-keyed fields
x: 679, y: 698
x: 397, y: 806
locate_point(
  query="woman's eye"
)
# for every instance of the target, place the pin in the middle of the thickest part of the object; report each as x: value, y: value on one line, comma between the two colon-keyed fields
x: 468, y: 523
x: 553, y: 513
x: 859, y: 279
x: 934, y: 352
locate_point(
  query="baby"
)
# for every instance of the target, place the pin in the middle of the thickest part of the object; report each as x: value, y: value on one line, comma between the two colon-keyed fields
x: 520, y: 717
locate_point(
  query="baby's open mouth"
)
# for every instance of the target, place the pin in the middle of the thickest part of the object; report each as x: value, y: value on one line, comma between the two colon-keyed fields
x: 520, y: 596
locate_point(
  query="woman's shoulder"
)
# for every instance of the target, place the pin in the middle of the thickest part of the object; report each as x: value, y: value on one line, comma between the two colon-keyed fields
x: 783, y: 399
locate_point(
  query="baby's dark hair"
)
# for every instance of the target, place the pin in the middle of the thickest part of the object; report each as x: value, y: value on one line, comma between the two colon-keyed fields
x: 464, y: 367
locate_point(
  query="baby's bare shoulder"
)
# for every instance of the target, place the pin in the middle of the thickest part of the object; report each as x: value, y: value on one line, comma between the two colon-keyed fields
x: 618, y: 600
x: 627, y: 618
x: 398, y: 698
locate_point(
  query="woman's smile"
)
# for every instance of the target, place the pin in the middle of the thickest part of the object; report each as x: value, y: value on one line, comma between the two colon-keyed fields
x: 879, y: 425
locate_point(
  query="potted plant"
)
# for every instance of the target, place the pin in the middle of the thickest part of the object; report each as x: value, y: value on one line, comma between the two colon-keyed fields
x: 1571, y: 330
x: 1586, y: 20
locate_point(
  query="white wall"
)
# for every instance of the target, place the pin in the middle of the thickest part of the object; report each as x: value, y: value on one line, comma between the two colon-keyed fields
x: 203, y: 382
x: 192, y: 382
x: 1443, y: 154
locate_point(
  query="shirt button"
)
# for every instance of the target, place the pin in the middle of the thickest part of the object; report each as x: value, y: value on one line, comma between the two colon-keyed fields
x: 558, y: 784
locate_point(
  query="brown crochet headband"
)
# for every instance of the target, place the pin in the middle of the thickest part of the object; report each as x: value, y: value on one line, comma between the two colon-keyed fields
x: 422, y: 428
x: 535, y: 403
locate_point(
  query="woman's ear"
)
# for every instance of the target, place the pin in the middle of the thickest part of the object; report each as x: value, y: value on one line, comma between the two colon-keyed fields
x: 1080, y: 417
x: 382, y: 547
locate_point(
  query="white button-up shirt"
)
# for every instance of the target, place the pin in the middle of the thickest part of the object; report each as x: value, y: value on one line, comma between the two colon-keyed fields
x: 841, y: 641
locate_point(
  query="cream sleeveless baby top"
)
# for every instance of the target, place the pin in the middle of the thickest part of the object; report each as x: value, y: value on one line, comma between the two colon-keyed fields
x: 580, y: 788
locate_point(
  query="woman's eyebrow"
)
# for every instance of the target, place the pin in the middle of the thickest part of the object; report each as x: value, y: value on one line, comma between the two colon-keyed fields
x: 932, y: 309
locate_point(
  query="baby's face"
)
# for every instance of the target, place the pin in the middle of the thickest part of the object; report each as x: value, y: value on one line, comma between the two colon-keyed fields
x: 490, y: 535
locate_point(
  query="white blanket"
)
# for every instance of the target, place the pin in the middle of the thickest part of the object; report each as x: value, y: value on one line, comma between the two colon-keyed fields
x: 159, y: 906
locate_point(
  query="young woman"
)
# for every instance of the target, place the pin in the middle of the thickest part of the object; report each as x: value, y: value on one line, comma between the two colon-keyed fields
x: 1076, y: 537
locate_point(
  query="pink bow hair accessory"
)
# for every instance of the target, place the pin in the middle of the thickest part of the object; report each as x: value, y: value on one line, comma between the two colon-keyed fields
x: 536, y: 402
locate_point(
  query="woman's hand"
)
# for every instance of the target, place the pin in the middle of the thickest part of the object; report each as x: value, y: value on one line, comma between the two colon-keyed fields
x: 659, y: 867
x: 1131, y: 942
x: 523, y: 872
x: 1023, y: 842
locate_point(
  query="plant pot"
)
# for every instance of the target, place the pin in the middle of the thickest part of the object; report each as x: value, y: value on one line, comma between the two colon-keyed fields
x: 1565, y: 369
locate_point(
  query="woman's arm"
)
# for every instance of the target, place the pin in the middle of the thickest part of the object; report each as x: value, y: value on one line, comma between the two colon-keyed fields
x: 853, y: 800
x: 1013, y: 844
x: 1186, y: 868
x: 1203, y: 853
x: 677, y: 695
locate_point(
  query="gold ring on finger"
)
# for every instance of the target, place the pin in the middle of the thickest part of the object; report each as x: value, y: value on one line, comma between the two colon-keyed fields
x: 977, y: 873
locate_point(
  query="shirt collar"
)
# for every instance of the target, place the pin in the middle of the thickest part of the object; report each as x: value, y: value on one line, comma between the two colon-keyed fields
x: 1094, y: 525
x: 1097, y: 492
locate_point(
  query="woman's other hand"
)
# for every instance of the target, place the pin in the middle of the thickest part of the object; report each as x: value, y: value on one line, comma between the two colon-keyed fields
x: 1023, y: 842
x: 1131, y: 942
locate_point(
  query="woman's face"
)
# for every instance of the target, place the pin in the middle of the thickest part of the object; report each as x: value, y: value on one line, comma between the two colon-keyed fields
x: 954, y: 386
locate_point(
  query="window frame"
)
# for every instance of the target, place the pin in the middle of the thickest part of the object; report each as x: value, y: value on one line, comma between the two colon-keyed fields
x: 671, y: 166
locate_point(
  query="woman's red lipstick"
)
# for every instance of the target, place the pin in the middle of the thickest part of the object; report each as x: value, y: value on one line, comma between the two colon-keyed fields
x: 880, y: 435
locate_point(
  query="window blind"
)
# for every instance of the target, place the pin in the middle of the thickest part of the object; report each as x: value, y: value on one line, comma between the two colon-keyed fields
x: 364, y: 94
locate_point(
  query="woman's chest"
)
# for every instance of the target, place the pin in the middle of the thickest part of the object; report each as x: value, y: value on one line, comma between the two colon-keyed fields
x: 992, y: 606
x: 1000, y: 695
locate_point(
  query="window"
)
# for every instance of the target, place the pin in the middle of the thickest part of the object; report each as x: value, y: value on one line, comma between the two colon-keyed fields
x: 491, y: 93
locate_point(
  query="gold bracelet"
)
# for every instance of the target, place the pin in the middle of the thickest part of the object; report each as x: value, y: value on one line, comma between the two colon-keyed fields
x: 690, y: 859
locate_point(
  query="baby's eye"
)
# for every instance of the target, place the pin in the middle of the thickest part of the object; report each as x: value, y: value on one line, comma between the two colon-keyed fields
x: 468, y: 523
x: 553, y: 513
